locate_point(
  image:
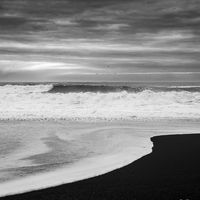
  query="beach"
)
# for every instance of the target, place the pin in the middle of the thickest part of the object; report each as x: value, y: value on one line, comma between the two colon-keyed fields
x: 171, y: 170
x: 98, y: 141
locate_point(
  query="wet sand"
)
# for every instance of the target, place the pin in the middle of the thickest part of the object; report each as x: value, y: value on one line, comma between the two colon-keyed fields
x: 171, y: 171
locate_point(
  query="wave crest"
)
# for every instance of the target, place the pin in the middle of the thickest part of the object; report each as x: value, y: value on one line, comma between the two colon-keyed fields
x: 93, y: 88
x: 37, y: 102
x: 21, y: 89
x: 76, y: 88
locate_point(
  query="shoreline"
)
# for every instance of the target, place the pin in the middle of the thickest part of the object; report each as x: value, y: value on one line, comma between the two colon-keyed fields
x: 170, y: 171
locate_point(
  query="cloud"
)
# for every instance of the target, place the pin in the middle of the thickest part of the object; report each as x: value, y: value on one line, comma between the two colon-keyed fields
x: 11, y: 21
x: 111, y: 27
x: 130, y: 36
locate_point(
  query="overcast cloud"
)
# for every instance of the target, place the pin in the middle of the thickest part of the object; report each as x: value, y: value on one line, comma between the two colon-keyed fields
x: 48, y: 39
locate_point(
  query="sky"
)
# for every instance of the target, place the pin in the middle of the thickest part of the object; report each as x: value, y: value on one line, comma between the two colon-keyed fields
x: 94, y: 40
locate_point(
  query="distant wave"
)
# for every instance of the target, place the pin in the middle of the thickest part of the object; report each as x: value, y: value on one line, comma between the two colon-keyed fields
x: 177, y: 89
x: 109, y: 89
x: 93, y: 88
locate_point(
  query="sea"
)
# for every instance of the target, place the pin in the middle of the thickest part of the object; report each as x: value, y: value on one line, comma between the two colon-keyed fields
x: 59, y: 132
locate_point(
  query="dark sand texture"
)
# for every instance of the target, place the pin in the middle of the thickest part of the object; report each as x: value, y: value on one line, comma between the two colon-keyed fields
x: 171, y: 171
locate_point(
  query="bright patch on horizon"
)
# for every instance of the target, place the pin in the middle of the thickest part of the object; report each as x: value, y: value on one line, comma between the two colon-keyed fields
x: 51, y: 66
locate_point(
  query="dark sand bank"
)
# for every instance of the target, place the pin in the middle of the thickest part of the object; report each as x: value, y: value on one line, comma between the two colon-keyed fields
x: 171, y: 171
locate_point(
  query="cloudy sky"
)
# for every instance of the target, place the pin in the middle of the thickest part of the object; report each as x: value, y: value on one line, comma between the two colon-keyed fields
x: 66, y: 40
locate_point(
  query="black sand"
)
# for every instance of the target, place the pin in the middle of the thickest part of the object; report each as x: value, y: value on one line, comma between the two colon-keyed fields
x: 171, y: 171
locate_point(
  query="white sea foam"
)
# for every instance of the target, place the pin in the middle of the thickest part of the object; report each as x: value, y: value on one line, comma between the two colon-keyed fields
x: 35, y: 103
x: 139, y: 144
x: 81, y: 170
x: 106, y: 148
x: 21, y: 89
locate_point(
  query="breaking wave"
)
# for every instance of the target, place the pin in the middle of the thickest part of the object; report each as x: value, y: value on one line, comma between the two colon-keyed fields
x: 116, y: 88
x: 93, y: 88
x: 98, y: 102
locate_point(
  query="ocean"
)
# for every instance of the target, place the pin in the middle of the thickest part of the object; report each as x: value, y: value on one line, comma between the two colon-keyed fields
x: 99, y: 101
x: 54, y: 133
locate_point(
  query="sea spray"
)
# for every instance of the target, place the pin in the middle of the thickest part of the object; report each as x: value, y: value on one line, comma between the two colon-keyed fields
x: 98, y: 102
